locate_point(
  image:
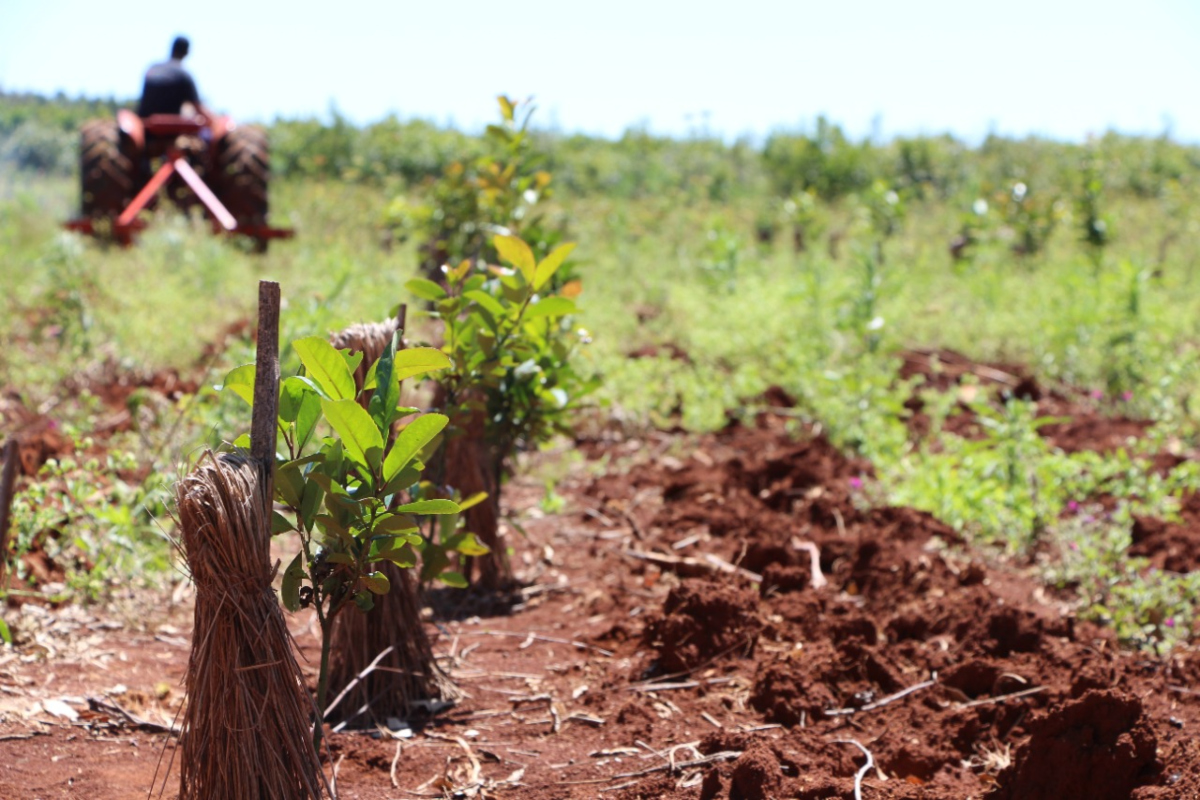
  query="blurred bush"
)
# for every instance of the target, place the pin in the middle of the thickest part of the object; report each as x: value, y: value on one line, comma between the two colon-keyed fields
x: 40, y: 134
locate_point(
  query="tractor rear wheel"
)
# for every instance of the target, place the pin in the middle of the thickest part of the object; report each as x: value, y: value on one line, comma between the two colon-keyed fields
x: 107, y: 168
x: 243, y: 171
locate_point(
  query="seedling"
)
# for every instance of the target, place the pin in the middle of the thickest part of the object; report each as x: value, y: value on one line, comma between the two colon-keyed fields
x: 353, y: 498
x: 509, y: 342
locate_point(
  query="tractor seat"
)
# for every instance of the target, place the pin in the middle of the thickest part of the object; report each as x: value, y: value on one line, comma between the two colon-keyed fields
x: 172, y: 125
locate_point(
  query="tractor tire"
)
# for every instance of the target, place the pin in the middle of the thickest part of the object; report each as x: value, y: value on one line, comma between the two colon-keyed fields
x: 107, y: 169
x: 243, y: 172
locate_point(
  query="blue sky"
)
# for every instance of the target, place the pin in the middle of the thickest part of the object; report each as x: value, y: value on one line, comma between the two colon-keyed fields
x: 1061, y: 68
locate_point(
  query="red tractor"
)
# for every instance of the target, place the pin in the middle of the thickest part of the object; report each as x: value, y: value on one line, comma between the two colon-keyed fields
x: 216, y: 164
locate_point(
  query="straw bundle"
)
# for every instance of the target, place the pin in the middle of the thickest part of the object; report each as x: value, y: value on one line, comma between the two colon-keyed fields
x: 408, y: 673
x: 368, y: 338
x: 472, y: 467
x: 247, y: 732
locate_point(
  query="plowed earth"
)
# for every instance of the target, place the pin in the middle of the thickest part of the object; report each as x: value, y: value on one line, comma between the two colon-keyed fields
x: 675, y: 639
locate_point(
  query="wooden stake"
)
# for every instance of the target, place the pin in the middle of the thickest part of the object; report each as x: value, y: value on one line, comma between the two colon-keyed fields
x: 264, y: 427
x: 9, y: 476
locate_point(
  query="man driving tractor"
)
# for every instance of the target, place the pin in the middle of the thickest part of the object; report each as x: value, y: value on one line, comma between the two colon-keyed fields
x: 168, y: 87
x: 175, y: 145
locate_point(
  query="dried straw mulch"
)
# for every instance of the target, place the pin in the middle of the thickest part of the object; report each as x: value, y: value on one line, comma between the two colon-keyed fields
x: 407, y: 673
x: 247, y: 727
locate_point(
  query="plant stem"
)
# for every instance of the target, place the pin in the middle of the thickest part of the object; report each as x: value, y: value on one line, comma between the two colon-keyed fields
x: 326, y: 623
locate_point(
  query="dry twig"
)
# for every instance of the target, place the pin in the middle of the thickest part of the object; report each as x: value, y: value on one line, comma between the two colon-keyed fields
x: 688, y: 566
x: 862, y: 773
x: 536, y: 637
x: 111, y: 708
x: 1001, y: 698
x: 891, y: 698
x: 818, y: 580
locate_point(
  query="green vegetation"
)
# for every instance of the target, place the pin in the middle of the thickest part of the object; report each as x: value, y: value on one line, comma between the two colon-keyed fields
x: 809, y: 263
x: 353, y: 497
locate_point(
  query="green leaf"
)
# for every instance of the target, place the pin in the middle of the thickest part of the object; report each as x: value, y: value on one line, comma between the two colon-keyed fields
x: 411, y: 441
x: 550, y: 264
x: 326, y: 366
x: 403, y: 556
x: 299, y: 406
x: 513, y: 250
x: 487, y: 302
x: 550, y: 307
x: 280, y: 524
x: 426, y: 289
x: 352, y: 359
x: 240, y: 381
x: 5, y: 633
x: 289, y: 592
x: 357, y: 431
x: 242, y: 442
x: 310, y: 504
x: 364, y: 600
x: 429, y: 507
x: 339, y: 558
x: 402, y: 479
x: 335, y: 530
x: 289, y: 484
x: 433, y: 561
x: 452, y: 578
x: 472, y: 501
x: 472, y: 546
x: 395, y: 523
x: 419, y: 360
x: 387, y: 390
x: 377, y: 582
x: 506, y: 107
x: 468, y: 544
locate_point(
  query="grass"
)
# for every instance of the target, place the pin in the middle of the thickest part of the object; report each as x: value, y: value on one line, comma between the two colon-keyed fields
x: 680, y: 270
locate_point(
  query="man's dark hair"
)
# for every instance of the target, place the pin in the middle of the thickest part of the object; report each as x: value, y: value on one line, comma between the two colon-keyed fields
x: 179, y: 48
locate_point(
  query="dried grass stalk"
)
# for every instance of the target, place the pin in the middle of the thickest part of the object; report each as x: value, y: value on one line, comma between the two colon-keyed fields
x: 409, y: 673
x: 247, y: 727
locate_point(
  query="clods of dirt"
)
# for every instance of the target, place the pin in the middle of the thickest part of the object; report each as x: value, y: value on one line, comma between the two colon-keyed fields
x: 39, y: 437
x: 668, y: 350
x: 771, y: 667
x: 1099, y: 746
x: 1170, y: 546
x: 702, y: 623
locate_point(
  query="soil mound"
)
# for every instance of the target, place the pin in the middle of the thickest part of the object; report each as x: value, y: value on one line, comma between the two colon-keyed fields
x: 1100, y: 747
x: 1170, y: 546
x: 702, y: 623
x: 939, y: 664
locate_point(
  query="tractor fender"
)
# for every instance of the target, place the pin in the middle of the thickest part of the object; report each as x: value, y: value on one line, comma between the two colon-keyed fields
x: 221, y: 125
x: 131, y: 125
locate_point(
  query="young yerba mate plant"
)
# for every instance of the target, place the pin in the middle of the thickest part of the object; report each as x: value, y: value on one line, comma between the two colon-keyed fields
x: 353, y: 497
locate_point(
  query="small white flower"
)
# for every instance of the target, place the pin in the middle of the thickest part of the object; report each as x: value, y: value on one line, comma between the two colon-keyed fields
x: 1019, y: 191
x: 875, y: 324
x: 530, y: 196
x: 892, y: 198
x: 980, y: 207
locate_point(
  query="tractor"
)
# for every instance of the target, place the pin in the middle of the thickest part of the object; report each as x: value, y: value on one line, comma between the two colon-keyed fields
x: 216, y: 164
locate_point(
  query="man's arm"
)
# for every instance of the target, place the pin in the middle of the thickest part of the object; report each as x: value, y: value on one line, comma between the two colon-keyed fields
x: 192, y: 96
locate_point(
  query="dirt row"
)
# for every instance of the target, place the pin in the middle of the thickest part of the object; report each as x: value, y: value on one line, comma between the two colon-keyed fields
x: 675, y: 639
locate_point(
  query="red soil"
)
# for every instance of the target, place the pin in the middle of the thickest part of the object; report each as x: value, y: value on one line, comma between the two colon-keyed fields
x: 615, y: 677
x: 1082, y: 425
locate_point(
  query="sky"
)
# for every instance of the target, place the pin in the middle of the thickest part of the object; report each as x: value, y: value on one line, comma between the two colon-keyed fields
x: 1058, y: 68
